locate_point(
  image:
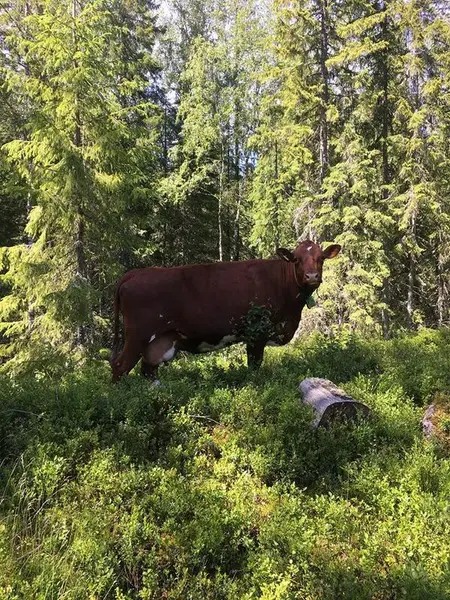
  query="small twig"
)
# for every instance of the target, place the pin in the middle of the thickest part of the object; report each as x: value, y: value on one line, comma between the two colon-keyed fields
x: 205, y: 418
x: 24, y: 412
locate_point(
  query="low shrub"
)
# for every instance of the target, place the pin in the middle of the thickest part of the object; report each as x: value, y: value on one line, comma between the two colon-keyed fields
x: 216, y: 486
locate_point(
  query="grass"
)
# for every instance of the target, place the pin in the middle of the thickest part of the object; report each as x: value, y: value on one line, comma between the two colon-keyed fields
x: 217, y: 486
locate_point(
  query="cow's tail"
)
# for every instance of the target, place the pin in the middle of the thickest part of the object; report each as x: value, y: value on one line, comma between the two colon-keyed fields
x: 115, y: 348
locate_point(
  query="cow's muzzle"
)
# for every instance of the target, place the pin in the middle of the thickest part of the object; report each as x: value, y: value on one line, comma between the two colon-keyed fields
x: 313, y: 279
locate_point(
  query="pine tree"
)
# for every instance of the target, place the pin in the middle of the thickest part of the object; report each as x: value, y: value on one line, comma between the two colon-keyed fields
x: 384, y: 183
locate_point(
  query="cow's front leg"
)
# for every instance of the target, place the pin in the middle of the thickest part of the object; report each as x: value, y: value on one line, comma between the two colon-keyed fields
x: 255, y: 354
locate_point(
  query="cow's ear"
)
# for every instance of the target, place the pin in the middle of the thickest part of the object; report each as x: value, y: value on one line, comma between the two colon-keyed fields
x: 286, y: 255
x: 331, y: 251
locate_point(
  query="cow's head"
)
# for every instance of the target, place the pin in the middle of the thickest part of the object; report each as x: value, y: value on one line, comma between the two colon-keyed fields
x: 308, y: 259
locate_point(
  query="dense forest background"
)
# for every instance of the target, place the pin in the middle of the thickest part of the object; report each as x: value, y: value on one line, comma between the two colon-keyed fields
x: 199, y: 130
x: 133, y: 134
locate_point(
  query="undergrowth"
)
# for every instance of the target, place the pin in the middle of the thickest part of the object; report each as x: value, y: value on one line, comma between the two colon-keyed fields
x: 217, y: 486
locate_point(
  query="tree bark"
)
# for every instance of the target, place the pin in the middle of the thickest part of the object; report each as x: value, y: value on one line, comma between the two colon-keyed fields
x: 80, y: 253
x: 237, y: 177
x: 236, y: 229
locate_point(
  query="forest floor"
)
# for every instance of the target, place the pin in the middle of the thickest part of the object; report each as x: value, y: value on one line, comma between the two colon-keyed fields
x: 216, y: 486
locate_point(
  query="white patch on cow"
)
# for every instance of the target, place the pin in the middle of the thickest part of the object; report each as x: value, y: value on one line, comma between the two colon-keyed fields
x: 169, y: 354
x: 272, y: 343
x: 161, y: 316
x: 225, y: 341
x: 309, y: 248
x: 151, y: 339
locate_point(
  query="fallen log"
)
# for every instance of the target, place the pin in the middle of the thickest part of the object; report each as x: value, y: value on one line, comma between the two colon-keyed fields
x: 428, y: 427
x: 329, y: 402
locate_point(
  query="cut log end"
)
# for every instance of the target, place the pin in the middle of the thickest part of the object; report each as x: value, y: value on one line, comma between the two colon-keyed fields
x: 329, y: 402
x: 428, y: 427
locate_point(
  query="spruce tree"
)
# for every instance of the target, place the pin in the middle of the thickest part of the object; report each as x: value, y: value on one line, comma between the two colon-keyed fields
x: 421, y: 119
x: 293, y: 141
x: 357, y: 204
x: 217, y: 113
x: 91, y: 133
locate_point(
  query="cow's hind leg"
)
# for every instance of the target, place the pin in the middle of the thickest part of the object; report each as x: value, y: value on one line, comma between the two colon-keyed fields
x: 149, y: 371
x: 162, y: 349
x: 128, y: 358
x: 255, y: 354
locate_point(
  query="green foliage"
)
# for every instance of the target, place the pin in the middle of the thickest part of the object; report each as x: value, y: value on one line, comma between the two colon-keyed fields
x: 421, y: 362
x: 286, y: 173
x: 90, y: 131
x: 262, y: 123
x: 348, y: 148
x: 217, y: 113
x: 256, y: 325
x: 217, y: 486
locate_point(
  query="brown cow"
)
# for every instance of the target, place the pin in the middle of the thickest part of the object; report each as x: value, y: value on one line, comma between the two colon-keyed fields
x: 199, y: 308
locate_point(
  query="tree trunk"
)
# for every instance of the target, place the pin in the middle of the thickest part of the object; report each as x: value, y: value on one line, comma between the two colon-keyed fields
x: 165, y: 142
x: 386, y: 175
x: 80, y: 225
x: 441, y: 302
x: 276, y: 220
x: 220, y: 207
x: 385, y: 318
x: 80, y: 252
x: 29, y: 246
x: 325, y: 94
x: 441, y: 294
x: 410, y: 301
x: 410, y: 305
x: 417, y: 103
x: 237, y: 177
x: 236, y: 229
x: 78, y: 142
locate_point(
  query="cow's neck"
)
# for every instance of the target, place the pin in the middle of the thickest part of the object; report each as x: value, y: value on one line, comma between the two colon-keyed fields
x: 296, y: 278
x: 301, y: 295
x: 294, y: 293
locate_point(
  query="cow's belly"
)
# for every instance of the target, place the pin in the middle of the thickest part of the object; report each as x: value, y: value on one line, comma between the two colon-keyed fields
x: 205, y: 335
x: 284, y: 336
x: 209, y: 344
